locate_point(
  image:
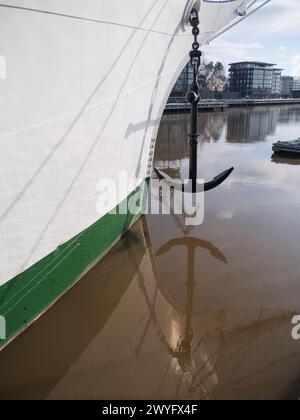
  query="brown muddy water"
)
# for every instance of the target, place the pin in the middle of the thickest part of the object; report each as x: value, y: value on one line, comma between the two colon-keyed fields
x: 176, y: 312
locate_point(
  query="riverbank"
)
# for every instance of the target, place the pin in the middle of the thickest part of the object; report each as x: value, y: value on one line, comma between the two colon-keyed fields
x: 207, y: 105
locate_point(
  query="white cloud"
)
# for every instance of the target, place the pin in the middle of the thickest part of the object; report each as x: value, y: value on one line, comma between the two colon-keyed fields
x: 228, y: 51
x: 279, y: 17
x: 271, y: 35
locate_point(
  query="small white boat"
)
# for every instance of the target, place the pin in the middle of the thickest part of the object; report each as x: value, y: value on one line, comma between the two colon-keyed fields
x: 292, y: 146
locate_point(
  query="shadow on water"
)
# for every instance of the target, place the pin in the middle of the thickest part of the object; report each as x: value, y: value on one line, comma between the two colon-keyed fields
x: 286, y: 159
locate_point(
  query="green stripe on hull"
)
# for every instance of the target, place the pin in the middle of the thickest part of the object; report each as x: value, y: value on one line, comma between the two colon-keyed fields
x: 29, y: 294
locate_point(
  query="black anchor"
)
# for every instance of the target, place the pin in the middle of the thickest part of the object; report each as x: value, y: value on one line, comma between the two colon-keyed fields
x: 193, y: 97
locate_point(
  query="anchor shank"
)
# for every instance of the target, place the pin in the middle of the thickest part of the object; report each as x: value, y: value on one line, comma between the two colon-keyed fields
x: 194, y: 133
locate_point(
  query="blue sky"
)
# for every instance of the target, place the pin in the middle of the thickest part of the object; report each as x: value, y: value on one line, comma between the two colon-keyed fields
x: 272, y: 35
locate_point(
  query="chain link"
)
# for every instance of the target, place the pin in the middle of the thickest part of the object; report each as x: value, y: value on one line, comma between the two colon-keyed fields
x: 195, y: 54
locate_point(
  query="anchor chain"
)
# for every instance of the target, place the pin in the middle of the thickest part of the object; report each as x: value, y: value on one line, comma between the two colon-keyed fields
x: 195, y: 54
x: 193, y: 97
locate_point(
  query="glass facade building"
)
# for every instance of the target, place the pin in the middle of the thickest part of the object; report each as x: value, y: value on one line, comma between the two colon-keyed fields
x: 287, y: 86
x: 255, y: 79
x: 296, y: 83
x: 182, y: 84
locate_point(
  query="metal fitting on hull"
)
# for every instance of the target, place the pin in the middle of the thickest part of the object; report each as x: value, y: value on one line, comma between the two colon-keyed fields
x: 191, y: 4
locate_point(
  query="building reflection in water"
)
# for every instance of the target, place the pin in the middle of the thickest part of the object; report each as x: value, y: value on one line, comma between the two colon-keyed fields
x: 289, y: 115
x: 173, y: 140
x: 250, y: 125
x: 237, y: 125
x: 212, y: 126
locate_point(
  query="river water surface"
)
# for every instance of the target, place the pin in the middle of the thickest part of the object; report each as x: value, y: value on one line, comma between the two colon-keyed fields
x: 177, y: 312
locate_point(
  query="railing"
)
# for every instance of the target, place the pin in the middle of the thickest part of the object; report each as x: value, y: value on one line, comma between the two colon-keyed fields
x: 220, y: 105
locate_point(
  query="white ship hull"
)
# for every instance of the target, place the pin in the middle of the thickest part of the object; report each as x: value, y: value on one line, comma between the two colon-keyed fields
x: 82, y: 91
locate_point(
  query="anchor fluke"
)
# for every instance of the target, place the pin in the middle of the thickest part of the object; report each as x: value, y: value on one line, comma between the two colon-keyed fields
x: 188, y: 186
x: 218, y: 180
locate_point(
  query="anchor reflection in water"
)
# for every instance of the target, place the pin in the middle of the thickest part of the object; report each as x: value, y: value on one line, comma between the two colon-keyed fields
x: 184, y: 350
x: 199, y: 367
